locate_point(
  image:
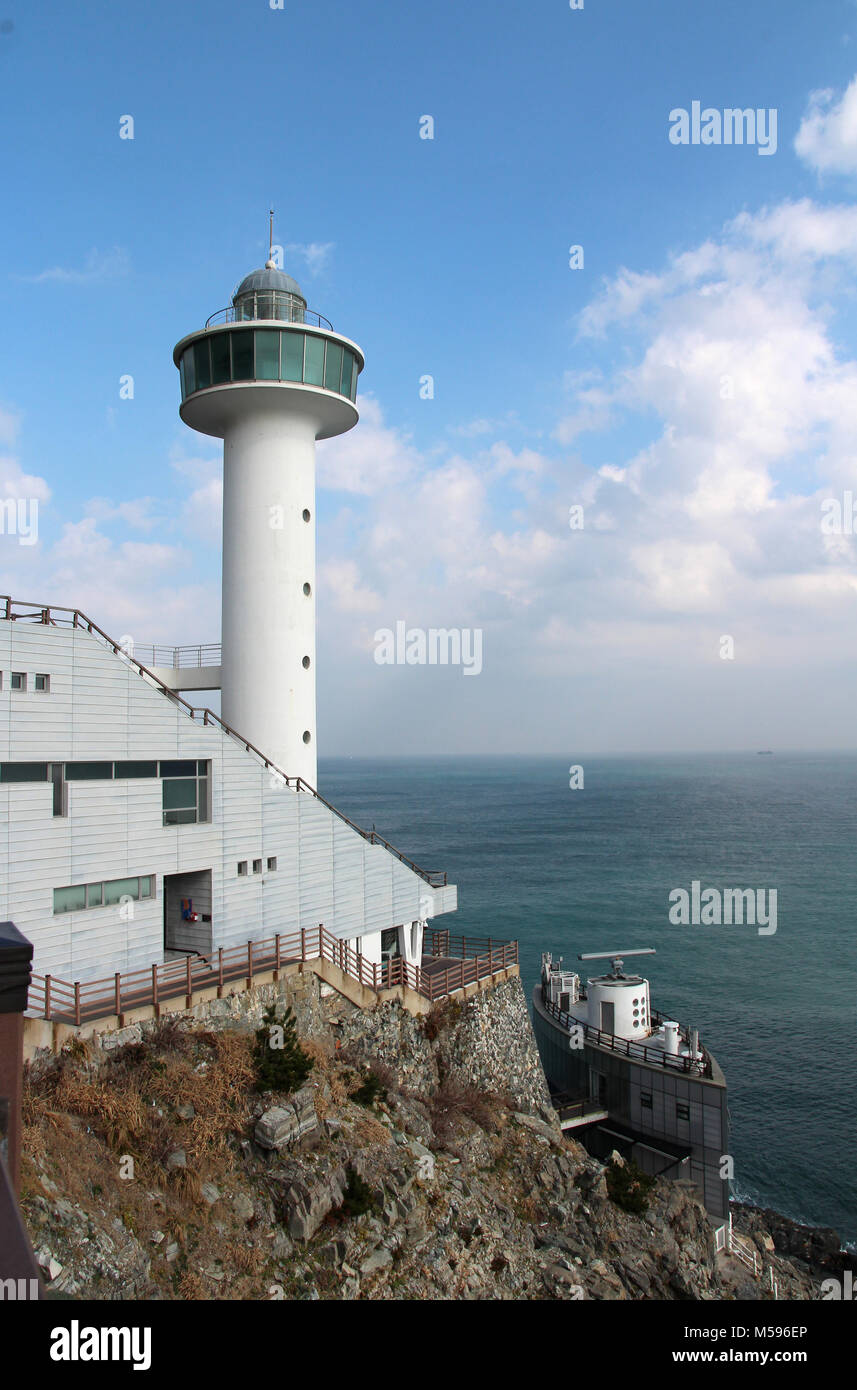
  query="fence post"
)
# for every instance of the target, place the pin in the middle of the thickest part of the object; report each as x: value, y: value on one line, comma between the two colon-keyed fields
x: 303, y: 943
x: 249, y: 963
x: 155, y: 1003
x: 77, y: 1002
x: 47, y: 997
x: 321, y: 939
x: 277, y: 957
x: 220, y: 972
x: 188, y: 985
x: 117, y: 997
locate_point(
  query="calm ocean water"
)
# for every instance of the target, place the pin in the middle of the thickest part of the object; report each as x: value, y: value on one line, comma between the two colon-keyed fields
x: 590, y: 870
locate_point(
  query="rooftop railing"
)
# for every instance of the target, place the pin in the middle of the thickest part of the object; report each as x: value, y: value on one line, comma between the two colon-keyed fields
x: 265, y: 312
x: 179, y: 658
x: 18, y: 610
x: 654, y: 1056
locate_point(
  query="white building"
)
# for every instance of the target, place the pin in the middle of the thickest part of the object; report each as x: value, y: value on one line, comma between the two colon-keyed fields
x: 110, y: 790
x: 133, y: 827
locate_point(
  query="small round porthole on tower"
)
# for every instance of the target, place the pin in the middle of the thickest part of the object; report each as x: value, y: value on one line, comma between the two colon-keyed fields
x: 307, y: 589
x: 306, y: 514
x: 307, y: 736
x: 306, y: 663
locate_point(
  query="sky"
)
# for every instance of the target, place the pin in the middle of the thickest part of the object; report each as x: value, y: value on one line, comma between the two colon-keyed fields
x: 632, y: 468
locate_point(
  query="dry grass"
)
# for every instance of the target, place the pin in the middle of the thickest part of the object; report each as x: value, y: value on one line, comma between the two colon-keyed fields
x: 81, y: 1123
x: 452, y: 1103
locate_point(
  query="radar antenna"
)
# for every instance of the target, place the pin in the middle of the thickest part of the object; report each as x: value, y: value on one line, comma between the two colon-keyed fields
x: 617, y: 957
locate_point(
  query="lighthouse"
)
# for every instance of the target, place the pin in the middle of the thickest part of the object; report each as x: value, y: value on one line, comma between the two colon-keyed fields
x: 269, y: 377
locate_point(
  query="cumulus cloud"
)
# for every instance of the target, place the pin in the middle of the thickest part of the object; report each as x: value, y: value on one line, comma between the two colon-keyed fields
x: 827, y: 137
x: 316, y: 254
x: 98, y: 266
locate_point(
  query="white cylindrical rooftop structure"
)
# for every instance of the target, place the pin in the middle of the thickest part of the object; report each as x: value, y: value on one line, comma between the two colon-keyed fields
x: 619, y: 1005
x: 269, y: 378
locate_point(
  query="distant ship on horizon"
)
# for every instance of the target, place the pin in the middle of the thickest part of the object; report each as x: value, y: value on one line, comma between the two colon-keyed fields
x: 764, y: 752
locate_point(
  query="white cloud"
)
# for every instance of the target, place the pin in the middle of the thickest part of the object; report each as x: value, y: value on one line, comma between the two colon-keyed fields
x: 368, y: 459
x: 316, y: 254
x: 99, y: 265
x: 827, y: 138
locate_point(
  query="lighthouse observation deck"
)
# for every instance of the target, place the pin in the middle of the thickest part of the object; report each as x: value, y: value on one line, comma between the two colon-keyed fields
x: 268, y: 341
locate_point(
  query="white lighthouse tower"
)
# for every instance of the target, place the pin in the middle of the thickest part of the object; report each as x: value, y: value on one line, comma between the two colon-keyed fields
x: 269, y: 377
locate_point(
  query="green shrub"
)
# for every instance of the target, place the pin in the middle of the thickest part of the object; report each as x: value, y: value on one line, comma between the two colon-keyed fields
x: 358, y: 1198
x: 278, y: 1068
x: 628, y: 1187
x: 372, y: 1089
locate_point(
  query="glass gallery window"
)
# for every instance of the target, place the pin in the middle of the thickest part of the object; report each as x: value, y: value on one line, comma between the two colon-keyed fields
x: 267, y: 354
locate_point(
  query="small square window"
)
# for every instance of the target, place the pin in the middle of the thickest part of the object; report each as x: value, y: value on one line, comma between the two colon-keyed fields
x: 272, y: 863
x: 19, y: 680
x: 646, y: 1100
x: 682, y: 1111
x: 242, y: 868
x: 257, y: 866
x: 43, y: 682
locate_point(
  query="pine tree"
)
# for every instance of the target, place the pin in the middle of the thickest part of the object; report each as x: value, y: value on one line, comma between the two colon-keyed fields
x: 281, y: 1063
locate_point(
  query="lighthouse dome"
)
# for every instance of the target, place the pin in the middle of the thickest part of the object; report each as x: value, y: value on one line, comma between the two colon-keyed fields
x: 269, y: 294
x: 268, y: 279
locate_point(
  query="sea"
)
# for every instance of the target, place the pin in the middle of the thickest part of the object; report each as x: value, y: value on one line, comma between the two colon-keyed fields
x: 592, y: 868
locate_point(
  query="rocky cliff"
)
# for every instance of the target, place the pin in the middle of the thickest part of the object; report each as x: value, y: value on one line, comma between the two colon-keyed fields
x: 420, y: 1159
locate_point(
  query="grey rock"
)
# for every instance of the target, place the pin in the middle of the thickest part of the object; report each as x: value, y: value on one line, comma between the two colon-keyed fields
x: 379, y: 1259
x: 284, y: 1126
x: 210, y: 1193
x: 307, y: 1202
x: 243, y: 1207
x: 177, y: 1159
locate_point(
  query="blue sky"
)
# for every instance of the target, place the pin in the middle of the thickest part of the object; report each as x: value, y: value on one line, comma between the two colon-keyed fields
x: 553, y: 386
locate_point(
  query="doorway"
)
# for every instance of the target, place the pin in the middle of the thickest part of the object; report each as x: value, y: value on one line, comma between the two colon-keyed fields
x: 187, y: 912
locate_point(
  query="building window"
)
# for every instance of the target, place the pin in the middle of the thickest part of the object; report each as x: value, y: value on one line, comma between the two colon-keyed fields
x: 185, y: 792
x: 306, y: 663
x: 306, y: 514
x: 242, y: 868
x: 257, y: 866
x: 682, y: 1112
x: 307, y: 589
x: 307, y: 736
x: 646, y: 1100
x: 135, y: 769
x: 88, y: 772
x: 60, y: 790
x: 23, y: 772
x: 314, y: 360
x: 272, y: 863
x: 19, y: 680
x: 108, y: 893
x: 43, y: 682
x: 256, y: 355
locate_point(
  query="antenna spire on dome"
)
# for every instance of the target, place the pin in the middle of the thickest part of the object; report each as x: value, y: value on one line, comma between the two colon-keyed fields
x: 270, y: 264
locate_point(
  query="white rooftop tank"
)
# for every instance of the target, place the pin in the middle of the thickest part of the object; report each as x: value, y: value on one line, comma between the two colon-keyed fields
x: 618, y: 1003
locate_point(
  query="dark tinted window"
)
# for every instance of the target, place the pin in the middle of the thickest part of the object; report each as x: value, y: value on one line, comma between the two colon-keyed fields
x: 178, y: 769
x: 23, y: 772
